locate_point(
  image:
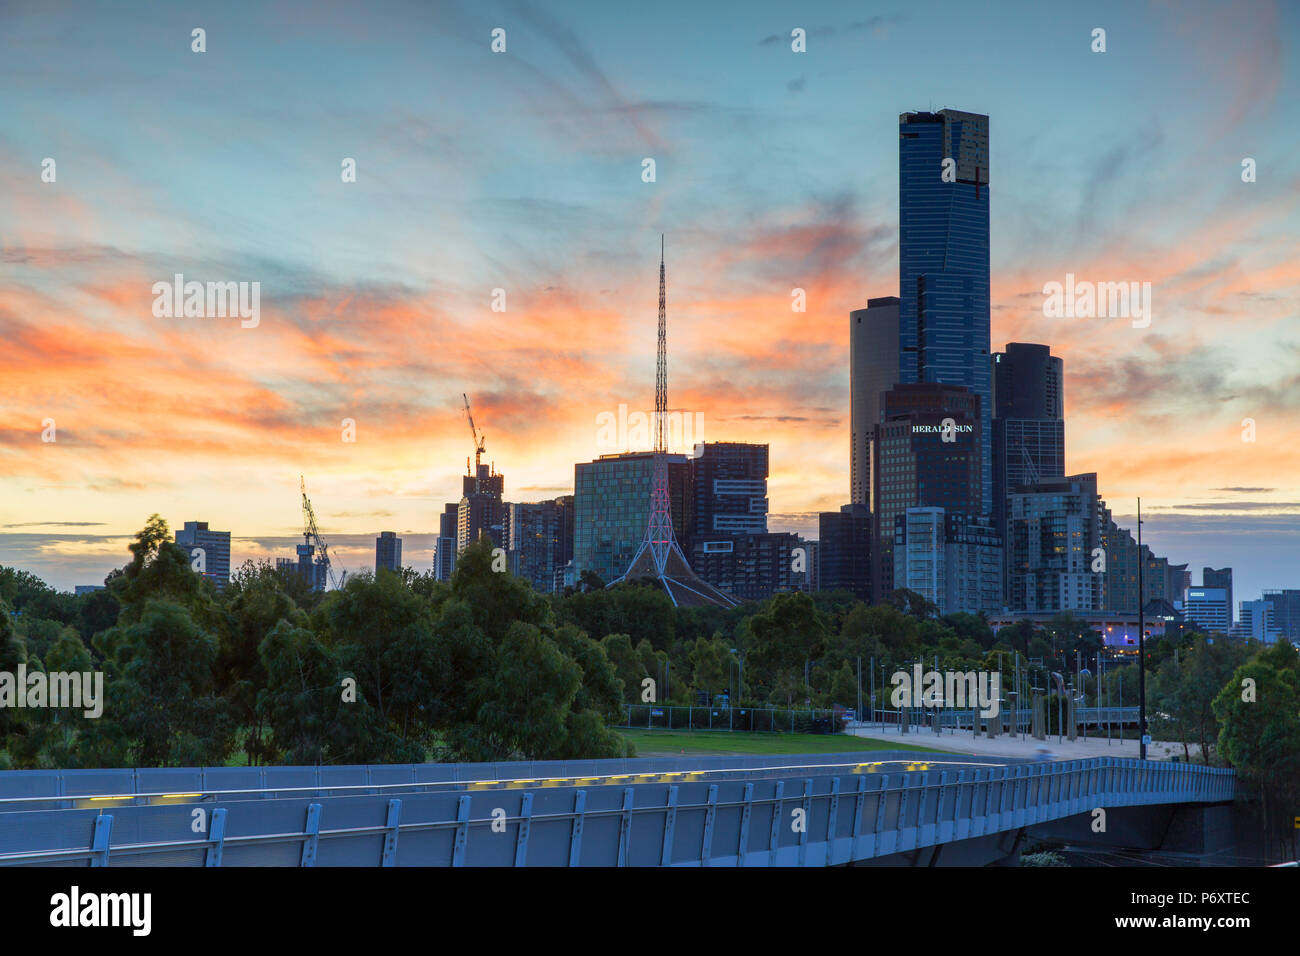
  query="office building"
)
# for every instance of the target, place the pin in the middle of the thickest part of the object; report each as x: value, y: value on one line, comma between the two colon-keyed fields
x: 1220, y: 578
x: 943, y: 214
x: 927, y: 455
x: 844, y: 548
x: 481, y: 510
x: 1207, y: 609
x: 612, y: 509
x: 1258, y: 620
x: 388, y: 552
x: 1054, y: 529
x: 444, y: 546
x: 1178, y: 580
x: 210, y: 549
x: 952, y: 560
x: 1286, y: 612
x: 873, y: 369
x: 540, y: 540
x: 749, y: 567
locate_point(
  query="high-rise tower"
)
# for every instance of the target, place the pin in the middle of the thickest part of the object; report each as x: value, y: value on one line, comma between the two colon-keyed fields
x: 659, y: 557
x: 943, y: 260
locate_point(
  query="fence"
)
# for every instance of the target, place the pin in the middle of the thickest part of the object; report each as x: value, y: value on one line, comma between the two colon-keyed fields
x: 666, y: 717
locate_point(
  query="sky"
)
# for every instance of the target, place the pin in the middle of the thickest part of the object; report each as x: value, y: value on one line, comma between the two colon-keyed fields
x: 522, y: 171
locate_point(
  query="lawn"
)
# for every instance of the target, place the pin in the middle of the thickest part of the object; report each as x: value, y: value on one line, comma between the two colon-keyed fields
x: 703, y: 742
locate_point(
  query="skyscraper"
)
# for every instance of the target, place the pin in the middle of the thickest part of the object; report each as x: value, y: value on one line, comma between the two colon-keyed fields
x: 873, y: 368
x: 536, y: 542
x: 612, y: 506
x: 444, y: 548
x: 927, y: 454
x: 1054, y: 529
x: 844, y: 550
x: 943, y: 261
x: 388, y: 552
x: 481, y: 510
x: 211, y: 549
x: 1220, y: 578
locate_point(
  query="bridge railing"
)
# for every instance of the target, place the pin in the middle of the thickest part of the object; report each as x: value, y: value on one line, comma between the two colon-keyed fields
x: 815, y: 814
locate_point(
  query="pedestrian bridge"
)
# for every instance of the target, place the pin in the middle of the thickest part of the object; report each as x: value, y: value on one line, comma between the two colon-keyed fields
x: 827, y: 809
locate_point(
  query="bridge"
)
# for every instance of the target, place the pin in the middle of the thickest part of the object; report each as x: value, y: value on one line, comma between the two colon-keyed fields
x: 875, y: 807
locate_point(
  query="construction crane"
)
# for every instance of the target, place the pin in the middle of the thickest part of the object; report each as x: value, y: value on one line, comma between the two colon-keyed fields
x: 311, y: 535
x: 479, y: 440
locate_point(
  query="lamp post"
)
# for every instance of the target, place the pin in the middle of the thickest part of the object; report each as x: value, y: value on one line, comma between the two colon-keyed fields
x: 1142, y: 649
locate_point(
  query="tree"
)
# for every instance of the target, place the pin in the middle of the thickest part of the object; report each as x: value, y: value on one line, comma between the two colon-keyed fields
x: 1260, y: 730
x: 161, y: 708
x: 710, y: 661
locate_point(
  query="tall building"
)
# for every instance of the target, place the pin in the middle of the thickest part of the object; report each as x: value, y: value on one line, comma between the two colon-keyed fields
x: 211, y: 547
x: 540, y: 540
x: 1028, y: 421
x: 1054, y: 529
x: 1178, y: 580
x: 1207, y: 608
x: 388, y: 552
x: 928, y: 447
x: 844, y: 548
x: 612, y: 507
x: 727, y: 537
x: 444, y: 547
x: 952, y: 560
x: 943, y: 262
x: 1258, y: 620
x: 1219, y: 578
x: 481, y: 510
x: 1286, y: 611
x: 873, y: 369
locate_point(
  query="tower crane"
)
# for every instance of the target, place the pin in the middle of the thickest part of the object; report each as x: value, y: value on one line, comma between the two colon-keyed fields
x: 311, y: 534
x: 479, y: 440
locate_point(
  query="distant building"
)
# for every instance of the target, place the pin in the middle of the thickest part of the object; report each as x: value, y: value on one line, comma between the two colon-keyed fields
x: 539, y: 539
x: 1220, y: 578
x: 927, y: 455
x: 207, y: 549
x: 1177, y: 581
x: 943, y: 269
x: 844, y: 551
x: 481, y: 510
x: 1053, y: 533
x: 612, y: 509
x: 1207, y: 609
x: 1286, y: 612
x: 81, y: 589
x: 873, y: 369
x: 388, y: 552
x: 444, y: 547
x: 952, y: 560
x: 1259, y: 621
x: 727, y: 538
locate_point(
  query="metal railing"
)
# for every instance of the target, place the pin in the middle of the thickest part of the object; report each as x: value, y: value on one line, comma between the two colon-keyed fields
x: 848, y: 816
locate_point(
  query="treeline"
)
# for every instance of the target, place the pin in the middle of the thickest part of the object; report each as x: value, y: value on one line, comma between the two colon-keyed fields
x: 484, y: 668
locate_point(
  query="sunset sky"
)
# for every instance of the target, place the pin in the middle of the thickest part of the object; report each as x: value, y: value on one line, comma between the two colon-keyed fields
x: 522, y: 171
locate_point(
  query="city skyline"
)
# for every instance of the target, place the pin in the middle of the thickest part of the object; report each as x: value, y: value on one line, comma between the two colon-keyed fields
x: 201, y: 419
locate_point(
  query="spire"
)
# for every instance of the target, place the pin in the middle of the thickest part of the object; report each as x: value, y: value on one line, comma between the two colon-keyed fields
x: 660, y: 557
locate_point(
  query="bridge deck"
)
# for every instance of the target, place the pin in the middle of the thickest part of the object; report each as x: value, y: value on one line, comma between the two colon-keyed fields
x: 712, y: 811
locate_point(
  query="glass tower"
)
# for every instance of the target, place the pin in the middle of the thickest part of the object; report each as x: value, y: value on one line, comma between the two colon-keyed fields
x: 943, y: 262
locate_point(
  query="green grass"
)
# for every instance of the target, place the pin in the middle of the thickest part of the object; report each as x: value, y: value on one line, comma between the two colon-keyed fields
x: 702, y: 742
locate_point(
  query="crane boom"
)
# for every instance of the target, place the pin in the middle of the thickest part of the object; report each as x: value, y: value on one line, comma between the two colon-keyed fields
x: 479, y: 440
x: 311, y: 534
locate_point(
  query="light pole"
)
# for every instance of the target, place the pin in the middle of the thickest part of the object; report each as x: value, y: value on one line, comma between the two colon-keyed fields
x: 1142, y: 648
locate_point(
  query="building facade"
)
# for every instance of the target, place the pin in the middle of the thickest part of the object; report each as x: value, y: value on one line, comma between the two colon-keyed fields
x: 844, y: 551
x: 943, y: 262
x: 612, y: 509
x: 388, y: 552
x: 952, y: 560
x: 873, y: 369
x: 210, y: 548
x: 1054, y: 533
